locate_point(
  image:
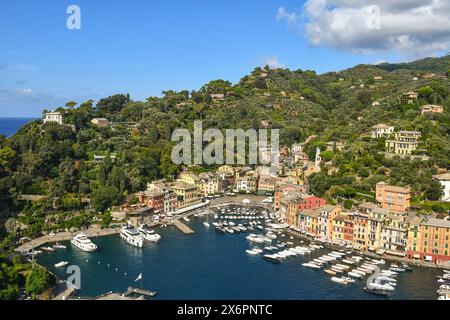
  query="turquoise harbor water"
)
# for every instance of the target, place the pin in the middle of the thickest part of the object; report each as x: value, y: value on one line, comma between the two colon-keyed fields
x: 209, y: 265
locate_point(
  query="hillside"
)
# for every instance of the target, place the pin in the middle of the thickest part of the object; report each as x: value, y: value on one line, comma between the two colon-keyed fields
x: 58, y: 160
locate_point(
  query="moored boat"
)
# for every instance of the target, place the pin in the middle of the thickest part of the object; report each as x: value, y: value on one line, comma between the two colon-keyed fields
x: 132, y: 236
x: 61, y: 264
x: 84, y: 243
x: 148, y: 234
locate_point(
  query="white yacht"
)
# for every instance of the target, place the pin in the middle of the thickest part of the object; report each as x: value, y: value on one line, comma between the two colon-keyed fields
x: 148, y: 234
x: 132, y: 236
x: 82, y: 242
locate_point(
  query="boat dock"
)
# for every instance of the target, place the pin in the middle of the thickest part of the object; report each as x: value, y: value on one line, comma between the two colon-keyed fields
x: 182, y: 227
x: 142, y: 292
x: 65, y: 236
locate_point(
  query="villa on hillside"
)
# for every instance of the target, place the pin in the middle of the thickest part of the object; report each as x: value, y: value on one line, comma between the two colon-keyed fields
x: 409, y: 97
x: 57, y: 117
x: 431, y: 108
x: 100, y: 122
x: 405, y: 142
x: 382, y: 130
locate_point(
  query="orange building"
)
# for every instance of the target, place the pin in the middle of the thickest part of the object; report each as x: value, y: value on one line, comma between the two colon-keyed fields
x: 430, y: 240
x: 393, y: 198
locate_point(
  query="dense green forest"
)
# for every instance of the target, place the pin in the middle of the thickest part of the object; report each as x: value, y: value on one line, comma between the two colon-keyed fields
x: 57, y: 161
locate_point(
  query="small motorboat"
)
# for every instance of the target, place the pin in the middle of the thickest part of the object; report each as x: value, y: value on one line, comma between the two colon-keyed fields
x: 273, y: 258
x: 206, y: 224
x: 186, y: 219
x: 376, y: 291
x: 220, y: 230
x: 59, y: 246
x: 61, y: 264
x: 48, y: 249
x: 331, y: 272
x: 252, y: 252
x: 229, y: 230
x: 311, y: 265
x: 355, y: 275
x: 339, y: 280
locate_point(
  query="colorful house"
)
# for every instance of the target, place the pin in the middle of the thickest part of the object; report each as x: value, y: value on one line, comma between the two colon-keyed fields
x: 393, y: 198
x: 327, y: 214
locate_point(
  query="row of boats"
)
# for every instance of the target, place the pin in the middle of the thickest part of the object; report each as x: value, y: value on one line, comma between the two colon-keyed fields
x: 444, y: 286
x: 345, y: 269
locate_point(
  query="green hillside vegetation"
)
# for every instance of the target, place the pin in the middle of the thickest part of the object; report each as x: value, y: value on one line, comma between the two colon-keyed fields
x: 57, y: 161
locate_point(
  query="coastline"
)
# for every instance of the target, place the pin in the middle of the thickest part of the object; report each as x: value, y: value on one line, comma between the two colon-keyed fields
x: 65, y: 236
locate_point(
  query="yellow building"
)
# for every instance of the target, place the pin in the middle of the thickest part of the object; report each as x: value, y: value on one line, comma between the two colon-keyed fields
x: 226, y: 170
x: 289, y: 208
x: 187, y: 194
x: 414, y: 241
x: 327, y: 214
x: 405, y: 142
x: 189, y: 177
x: 309, y: 221
x: 375, y: 223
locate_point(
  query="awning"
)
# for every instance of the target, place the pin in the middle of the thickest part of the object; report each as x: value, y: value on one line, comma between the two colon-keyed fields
x: 381, y: 251
x: 396, y: 253
x: 416, y: 256
x: 371, y: 248
x: 428, y: 258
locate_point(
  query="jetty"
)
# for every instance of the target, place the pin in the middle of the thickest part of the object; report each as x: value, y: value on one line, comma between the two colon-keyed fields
x: 182, y: 227
x: 64, y: 236
x: 142, y: 292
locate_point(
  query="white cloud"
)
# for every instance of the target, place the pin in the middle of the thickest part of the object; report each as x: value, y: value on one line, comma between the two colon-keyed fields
x: 290, y: 17
x: 25, y: 92
x: 409, y: 27
x: 273, y: 63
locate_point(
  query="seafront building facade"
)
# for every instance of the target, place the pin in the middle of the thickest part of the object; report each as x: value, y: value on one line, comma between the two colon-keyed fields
x: 429, y: 240
x: 369, y: 228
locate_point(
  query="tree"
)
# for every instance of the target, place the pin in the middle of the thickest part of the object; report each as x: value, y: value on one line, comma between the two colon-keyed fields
x: 105, y: 197
x: 6, y: 156
x: 434, y: 191
x: 113, y: 104
x: 38, y: 280
x: 71, y: 104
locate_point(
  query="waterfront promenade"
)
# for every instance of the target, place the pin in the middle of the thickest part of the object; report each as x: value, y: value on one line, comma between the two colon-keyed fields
x: 65, y: 236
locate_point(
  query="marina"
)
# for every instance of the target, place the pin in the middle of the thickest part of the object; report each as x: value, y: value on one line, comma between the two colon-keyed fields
x: 275, y: 270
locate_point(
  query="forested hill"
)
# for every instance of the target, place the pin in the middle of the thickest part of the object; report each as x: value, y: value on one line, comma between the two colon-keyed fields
x: 58, y: 161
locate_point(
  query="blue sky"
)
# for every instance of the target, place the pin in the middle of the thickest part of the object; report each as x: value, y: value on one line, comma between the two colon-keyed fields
x: 144, y: 47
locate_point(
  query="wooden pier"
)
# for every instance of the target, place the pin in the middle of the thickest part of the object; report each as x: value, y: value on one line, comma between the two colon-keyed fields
x: 142, y: 292
x: 182, y: 227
